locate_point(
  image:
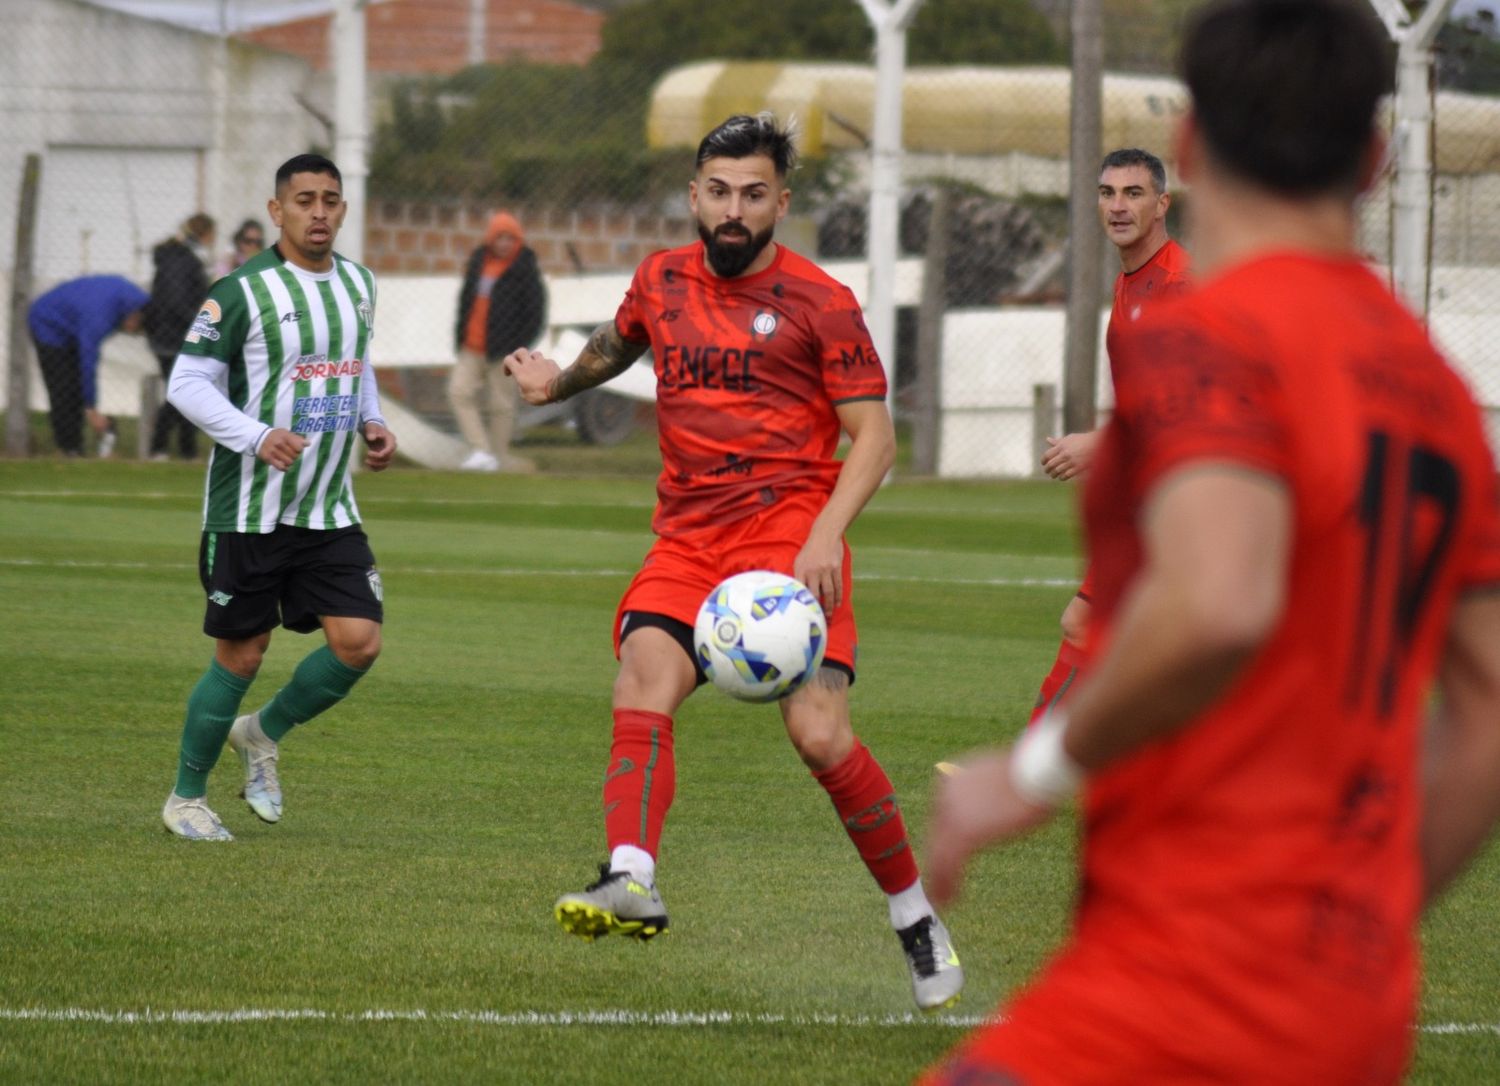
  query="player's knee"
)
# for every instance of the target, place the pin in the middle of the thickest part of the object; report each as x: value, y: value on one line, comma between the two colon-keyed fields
x: 244, y: 666
x: 242, y: 657
x: 822, y: 749
x: 359, y: 651
x: 628, y: 688
x: 1075, y: 620
x: 639, y: 688
x: 820, y: 733
x: 656, y: 672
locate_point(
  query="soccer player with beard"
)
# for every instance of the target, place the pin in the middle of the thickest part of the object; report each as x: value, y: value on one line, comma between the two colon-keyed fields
x: 761, y: 359
x: 1295, y: 531
x: 1133, y: 202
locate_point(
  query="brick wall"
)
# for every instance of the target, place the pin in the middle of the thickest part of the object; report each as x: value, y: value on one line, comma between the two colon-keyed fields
x: 411, y: 36
x: 436, y: 239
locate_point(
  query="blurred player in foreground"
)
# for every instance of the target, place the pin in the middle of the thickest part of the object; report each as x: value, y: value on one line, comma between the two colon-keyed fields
x: 1294, y: 528
x: 761, y: 359
x: 276, y: 369
x: 1133, y: 202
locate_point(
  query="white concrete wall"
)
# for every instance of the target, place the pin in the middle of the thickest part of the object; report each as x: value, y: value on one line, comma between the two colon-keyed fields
x: 992, y: 360
x: 993, y: 357
x: 142, y: 124
x: 415, y: 313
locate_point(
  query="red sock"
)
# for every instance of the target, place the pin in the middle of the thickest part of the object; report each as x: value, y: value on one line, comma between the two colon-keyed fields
x: 866, y: 803
x: 1059, y: 679
x: 641, y: 781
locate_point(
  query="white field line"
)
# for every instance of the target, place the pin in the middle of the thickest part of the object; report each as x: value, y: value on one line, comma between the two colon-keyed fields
x: 544, y: 1019
x: 552, y: 1019
x: 503, y: 571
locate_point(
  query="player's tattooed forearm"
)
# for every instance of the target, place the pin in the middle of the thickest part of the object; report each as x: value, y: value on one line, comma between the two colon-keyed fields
x: 607, y: 354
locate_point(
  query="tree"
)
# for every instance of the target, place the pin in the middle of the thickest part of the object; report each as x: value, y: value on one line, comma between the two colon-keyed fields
x: 521, y: 131
x: 663, y: 33
x: 1144, y: 35
x: 560, y: 134
x: 1468, y: 54
x: 982, y: 32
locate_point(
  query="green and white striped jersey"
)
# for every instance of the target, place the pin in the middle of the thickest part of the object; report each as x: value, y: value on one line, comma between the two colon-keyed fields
x: 296, y: 347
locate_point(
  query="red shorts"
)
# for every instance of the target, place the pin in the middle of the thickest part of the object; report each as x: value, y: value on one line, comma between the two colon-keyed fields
x: 679, y: 572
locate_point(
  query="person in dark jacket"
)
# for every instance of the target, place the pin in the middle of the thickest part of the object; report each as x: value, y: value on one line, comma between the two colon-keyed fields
x: 502, y: 307
x: 67, y: 325
x: 177, y: 291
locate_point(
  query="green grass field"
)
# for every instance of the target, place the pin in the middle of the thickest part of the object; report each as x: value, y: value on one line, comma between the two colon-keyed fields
x: 396, y: 926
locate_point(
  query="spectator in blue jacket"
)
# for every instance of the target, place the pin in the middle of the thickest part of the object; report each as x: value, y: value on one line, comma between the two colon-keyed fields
x: 68, y: 324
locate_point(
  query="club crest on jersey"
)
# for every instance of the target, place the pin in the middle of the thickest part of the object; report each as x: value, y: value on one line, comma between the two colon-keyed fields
x: 366, y: 313
x: 764, y: 326
x: 203, y: 324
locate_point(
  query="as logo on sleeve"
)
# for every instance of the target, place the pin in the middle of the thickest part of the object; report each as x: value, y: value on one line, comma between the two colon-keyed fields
x: 203, y: 324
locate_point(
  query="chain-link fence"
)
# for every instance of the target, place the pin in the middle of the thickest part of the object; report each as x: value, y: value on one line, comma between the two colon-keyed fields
x: 580, y: 120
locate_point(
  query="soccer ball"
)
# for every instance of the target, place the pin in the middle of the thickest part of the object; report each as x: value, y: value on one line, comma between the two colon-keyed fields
x: 760, y: 635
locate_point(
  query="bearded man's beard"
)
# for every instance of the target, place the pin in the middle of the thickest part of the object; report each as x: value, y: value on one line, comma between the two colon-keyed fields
x: 730, y: 258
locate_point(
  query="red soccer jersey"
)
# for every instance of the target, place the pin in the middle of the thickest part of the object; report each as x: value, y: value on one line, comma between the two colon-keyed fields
x: 748, y: 373
x: 1165, y: 275
x: 1260, y: 867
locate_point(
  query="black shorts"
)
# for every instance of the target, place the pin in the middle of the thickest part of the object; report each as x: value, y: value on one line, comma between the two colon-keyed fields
x: 292, y: 577
x: 682, y: 633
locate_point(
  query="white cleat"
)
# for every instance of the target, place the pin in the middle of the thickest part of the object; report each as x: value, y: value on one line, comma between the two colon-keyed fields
x: 617, y: 903
x: 193, y: 820
x: 479, y: 460
x: 936, y: 977
x: 258, y: 755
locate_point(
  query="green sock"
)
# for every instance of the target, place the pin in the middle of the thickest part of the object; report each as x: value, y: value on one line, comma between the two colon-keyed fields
x: 211, y: 709
x: 320, y: 682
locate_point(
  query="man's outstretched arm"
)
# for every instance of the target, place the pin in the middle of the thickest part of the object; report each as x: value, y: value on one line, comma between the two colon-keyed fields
x: 541, y: 380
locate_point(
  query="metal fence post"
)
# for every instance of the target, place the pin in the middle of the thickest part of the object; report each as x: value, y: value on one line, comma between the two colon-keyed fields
x: 927, y: 418
x: 18, y: 380
x: 151, y: 398
x: 1043, y: 421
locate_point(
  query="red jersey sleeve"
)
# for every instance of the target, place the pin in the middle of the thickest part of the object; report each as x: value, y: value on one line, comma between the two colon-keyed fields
x: 846, y: 354
x: 1182, y: 394
x: 630, y: 318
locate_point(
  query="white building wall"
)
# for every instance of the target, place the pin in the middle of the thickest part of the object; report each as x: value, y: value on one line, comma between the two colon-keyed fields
x: 139, y: 124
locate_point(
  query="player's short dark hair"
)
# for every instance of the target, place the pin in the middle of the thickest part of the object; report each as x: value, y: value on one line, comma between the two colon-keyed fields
x: 307, y: 164
x: 1134, y: 156
x: 1285, y: 91
x: 742, y: 136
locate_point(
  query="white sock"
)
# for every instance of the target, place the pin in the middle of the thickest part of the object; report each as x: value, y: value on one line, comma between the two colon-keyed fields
x: 908, y: 906
x: 640, y: 863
